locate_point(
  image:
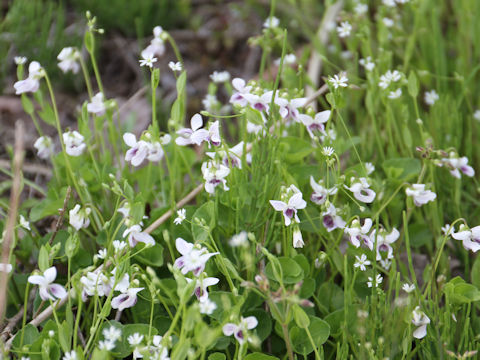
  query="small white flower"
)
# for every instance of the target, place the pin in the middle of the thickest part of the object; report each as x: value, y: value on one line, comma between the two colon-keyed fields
x: 331, y: 220
x: 240, y: 330
x: 344, y: 29
x: 289, y: 108
x: 239, y: 240
x: 97, y: 106
x: 139, y: 150
x: 338, y: 81
x: 214, y: 175
x: 389, y: 3
x: 457, y: 165
x: 44, y: 146
x: 320, y: 193
x: 135, y: 339
x: 156, y: 46
x: 47, y: 289
x: 106, y: 345
x: 196, y: 135
x: 74, y: 143
x: 207, y: 307
x: 431, y: 97
x: 193, y: 257
x: 328, y: 151
x: 385, y: 263
x: 78, y: 217
x: 359, y: 234
x: 361, y: 190
x: 395, y: 94
x: 421, y: 320
x: 384, y: 241
x: 24, y: 223
x: 367, y: 63
x: 389, y: 77
x: 148, y: 59
x: 126, y: 300
x: 362, y: 262
x: 210, y: 102
x: 201, y: 286
x: 476, y: 115
x: 408, y: 288
x: 290, y: 208
x: 469, y: 237
x: 238, y: 98
x: 271, y: 22
x: 420, y: 195
x: 175, y: 66
x: 20, y: 60
x: 288, y: 59
x: 112, y: 333
x: 136, y: 235
x: 220, y: 76
x: 316, y: 124
x: 32, y: 82
x: 102, y: 253
x: 68, y: 58
x: 369, y: 167
x: 388, y: 22
x: 361, y: 9
x: 118, y: 245
x: 72, y: 355
x: 374, y: 282
x: 447, y: 229
x: 181, y: 215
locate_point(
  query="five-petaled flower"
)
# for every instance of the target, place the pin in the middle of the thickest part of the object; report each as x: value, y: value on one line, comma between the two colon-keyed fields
x: 201, y: 286
x: 361, y: 190
x: 240, y: 330
x: 420, y: 319
x: 419, y: 194
x: 44, y: 146
x: 47, y: 289
x: 320, y: 193
x: 78, y: 217
x: 331, y: 220
x: 362, y: 262
x: 290, y: 208
x: 32, y: 82
x: 126, y: 299
x: 469, y: 237
x: 136, y: 235
x: 194, y: 257
x: 74, y: 143
x: 359, y: 234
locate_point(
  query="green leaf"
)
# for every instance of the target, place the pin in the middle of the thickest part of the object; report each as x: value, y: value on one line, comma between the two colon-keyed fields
x: 47, y: 114
x: 402, y: 169
x: 27, y: 104
x: 30, y: 334
x: 301, y: 318
x: 254, y: 116
x: 319, y: 330
x: 178, y: 107
x: 291, y: 271
x: 205, y: 214
x: 153, y: 256
x: 260, y: 356
x: 64, y: 336
x: 43, y: 261
x: 476, y: 272
x: 217, y: 356
x: 412, y: 84
x: 89, y: 41
x: 459, y: 292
